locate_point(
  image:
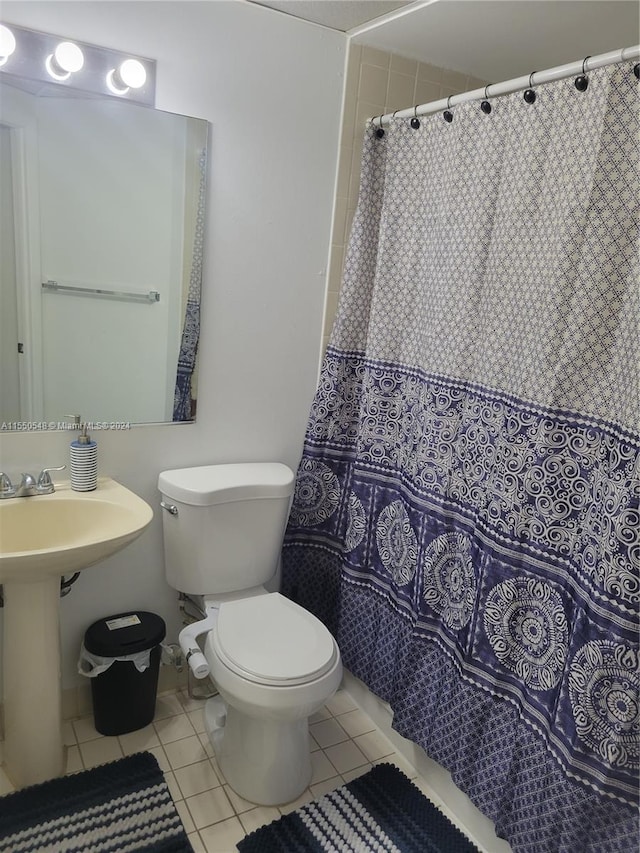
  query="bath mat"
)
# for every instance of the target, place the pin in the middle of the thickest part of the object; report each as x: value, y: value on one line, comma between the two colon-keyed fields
x: 122, y: 806
x: 381, y: 810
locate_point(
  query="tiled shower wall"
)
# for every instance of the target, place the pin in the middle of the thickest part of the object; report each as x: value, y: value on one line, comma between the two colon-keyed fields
x: 377, y: 82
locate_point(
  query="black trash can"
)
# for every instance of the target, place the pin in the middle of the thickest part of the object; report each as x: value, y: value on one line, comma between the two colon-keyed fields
x: 124, y: 699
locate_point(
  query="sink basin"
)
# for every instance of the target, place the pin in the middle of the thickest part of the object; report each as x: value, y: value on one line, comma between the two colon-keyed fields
x: 43, y: 538
x: 66, y: 531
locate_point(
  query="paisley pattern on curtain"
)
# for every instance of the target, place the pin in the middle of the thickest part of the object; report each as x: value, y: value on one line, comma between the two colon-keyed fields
x: 183, y: 400
x: 466, y: 516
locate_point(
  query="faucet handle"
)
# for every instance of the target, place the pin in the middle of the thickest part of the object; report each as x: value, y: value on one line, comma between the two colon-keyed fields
x: 44, y: 480
x: 7, y: 490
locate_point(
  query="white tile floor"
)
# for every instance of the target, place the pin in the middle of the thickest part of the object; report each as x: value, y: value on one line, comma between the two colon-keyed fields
x: 344, y: 744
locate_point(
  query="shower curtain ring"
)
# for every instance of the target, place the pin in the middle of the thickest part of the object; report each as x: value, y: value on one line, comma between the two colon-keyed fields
x: 529, y: 94
x: 582, y: 81
x: 448, y: 115
x: 415, y: 121
x: 485, y: 106
x: 380, y: 130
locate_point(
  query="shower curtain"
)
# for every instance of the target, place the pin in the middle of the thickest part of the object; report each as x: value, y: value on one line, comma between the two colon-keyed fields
x: 466, y: 518
x: 184, y: 402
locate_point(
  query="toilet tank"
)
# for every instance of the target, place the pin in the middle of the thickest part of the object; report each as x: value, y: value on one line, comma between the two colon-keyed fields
x: 226, y: 533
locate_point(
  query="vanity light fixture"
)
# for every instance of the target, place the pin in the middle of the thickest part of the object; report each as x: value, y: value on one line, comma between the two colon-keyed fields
x: 43, y: 58
x: 7, y: 43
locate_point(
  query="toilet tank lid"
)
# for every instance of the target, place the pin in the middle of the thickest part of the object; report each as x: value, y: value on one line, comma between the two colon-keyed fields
x: 207, y: 485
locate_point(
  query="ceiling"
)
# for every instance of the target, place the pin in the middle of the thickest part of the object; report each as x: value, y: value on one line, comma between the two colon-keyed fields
x: 489, y: 39
x: 341, y: 15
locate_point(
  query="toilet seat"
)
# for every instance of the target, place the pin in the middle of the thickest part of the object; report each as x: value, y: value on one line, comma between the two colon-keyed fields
x: 268, y: 639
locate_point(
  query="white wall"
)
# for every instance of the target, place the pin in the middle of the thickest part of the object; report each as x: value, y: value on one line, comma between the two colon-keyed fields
x: 271, y: 86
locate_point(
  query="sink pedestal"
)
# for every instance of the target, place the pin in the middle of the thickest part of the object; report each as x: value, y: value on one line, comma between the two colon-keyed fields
x: 44, y: 538
x: 33, y: 750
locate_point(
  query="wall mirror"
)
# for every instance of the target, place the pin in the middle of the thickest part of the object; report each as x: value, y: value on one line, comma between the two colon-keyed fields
x: 101, y: 258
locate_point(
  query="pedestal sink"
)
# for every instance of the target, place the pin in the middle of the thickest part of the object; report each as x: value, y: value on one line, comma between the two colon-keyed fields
x: 43, y: 538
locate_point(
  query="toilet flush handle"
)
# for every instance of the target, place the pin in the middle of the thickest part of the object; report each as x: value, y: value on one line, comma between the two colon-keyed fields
x: 172, y: 508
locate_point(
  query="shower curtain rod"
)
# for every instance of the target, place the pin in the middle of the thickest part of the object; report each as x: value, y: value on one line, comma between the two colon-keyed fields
x: 517, y: 83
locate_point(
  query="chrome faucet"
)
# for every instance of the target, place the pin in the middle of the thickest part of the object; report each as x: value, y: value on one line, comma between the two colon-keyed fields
x: 28, y: 486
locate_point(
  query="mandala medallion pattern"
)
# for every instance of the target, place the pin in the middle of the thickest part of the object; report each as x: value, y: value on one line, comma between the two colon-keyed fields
x: 397, y: 543
x: 604, y: 686
x: 482, y: 375
x: 316, y: 495
x: 525, y: 623
x: 449, y: 579
x: 357, y: 524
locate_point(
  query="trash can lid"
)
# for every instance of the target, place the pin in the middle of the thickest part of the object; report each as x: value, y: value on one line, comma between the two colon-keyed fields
x: 124, y: 634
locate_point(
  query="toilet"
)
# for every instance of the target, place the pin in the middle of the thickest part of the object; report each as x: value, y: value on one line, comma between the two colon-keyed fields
x: 273, y: 663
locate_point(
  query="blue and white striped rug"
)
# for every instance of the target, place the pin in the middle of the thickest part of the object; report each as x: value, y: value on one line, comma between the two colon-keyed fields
x: 379, y: 812
x: 122, y: 806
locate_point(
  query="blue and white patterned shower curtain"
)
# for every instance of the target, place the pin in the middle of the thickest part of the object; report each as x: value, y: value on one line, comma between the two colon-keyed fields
x: 183, y: 397
x: 466, y: 515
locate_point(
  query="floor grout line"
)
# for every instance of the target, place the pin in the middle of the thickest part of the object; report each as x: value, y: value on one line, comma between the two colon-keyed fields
x: 190, y: 768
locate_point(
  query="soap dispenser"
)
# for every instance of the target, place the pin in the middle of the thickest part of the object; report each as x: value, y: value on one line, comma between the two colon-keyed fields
x: 84, y: 460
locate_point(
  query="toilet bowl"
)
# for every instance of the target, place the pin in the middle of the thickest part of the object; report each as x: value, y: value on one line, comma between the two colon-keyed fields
x: 274, y: 663
x: 259, y: 726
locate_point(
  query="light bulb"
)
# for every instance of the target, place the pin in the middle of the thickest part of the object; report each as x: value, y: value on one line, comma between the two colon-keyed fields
x: 69, y: 56
x: 7, y: 43
x: 65, y: 60
x: 132, y: 73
